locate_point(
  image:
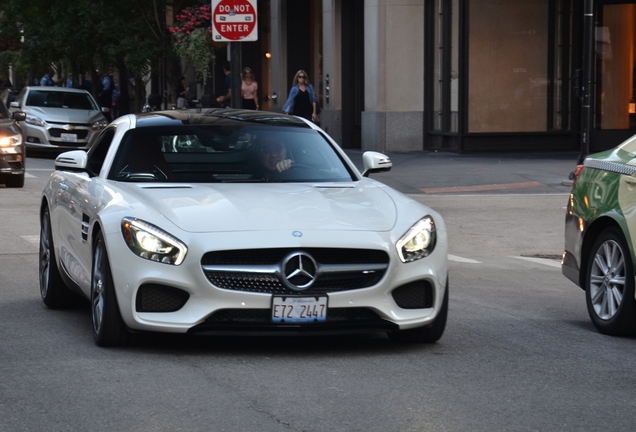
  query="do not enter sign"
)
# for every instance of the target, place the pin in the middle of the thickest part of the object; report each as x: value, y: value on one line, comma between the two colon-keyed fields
x: 234, y: 20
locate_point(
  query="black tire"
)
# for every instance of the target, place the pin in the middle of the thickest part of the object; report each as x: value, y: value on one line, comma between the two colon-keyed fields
x: 609, y: 285
x: 429, y: 334
x: 55, y: 294
x: 14, y: 181
x: 108, y: 326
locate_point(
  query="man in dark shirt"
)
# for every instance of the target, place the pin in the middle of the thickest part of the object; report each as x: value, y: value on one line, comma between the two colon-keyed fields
x: 226, y: 98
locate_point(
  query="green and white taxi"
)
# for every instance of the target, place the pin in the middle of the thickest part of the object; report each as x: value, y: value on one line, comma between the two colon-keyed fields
x: 600, y: 232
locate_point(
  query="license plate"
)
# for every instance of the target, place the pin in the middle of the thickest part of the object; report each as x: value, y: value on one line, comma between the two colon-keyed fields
x: 67, y: 137
x: 299, y: 309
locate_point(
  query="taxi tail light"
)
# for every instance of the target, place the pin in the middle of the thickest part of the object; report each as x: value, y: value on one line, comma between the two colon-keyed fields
x: 576, y: 173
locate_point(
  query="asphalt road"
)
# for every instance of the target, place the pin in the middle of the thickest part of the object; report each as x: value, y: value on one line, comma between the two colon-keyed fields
x: 519, y: 352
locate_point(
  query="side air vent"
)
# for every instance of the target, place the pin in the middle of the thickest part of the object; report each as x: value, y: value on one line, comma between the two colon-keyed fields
x: 160, y: 298
x: 415, y: 295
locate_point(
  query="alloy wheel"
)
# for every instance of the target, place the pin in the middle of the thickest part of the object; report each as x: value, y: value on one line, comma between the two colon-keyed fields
x: 607, y: 280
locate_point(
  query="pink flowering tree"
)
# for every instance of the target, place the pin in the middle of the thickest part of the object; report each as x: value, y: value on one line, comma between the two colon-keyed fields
x: 192, y: 35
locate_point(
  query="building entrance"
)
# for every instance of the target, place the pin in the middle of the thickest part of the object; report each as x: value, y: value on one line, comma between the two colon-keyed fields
x: 614, y: 109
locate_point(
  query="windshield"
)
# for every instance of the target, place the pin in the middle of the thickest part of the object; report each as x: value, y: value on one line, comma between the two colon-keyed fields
x: 227, y: 153
x: 58, y: 99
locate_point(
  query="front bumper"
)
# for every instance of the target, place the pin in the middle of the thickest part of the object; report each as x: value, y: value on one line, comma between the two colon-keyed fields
x: 62, y: 136
x: 210, y: 309
x: 12, y: 160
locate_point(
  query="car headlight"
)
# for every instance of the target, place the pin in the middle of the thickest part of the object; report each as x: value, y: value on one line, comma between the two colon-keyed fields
x: 35, y: 121
x: 11, y: 141
x: 418, y: 242
x: 100, y: 124
x: 151, y: 242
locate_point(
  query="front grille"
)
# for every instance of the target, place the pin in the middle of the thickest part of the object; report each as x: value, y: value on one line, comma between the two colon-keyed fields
x: 160, y: 298
x: 415, y: 295
x: 57, y: 133
x: 261, y: 270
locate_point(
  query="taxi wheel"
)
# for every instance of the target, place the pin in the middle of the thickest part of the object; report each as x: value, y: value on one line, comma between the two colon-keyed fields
x: 428, y: 334
x: 108, y: 326
x: 609, y: 290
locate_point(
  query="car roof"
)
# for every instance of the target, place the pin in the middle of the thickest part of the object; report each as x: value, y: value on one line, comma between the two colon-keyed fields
x: 216, y: 116
x: 56, y: 89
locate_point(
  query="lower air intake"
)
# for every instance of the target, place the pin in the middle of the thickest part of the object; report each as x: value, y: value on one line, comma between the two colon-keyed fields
x: 416, y: 295
x: 160, y: 298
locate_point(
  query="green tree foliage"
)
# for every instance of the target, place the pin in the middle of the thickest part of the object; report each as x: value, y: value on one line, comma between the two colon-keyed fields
x: 79, y: 36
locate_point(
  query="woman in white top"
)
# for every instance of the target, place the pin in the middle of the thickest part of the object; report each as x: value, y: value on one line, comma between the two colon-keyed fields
x: 249, y: 90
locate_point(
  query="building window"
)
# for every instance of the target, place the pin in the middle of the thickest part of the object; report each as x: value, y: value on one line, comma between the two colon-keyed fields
x: 446, y: 66
x: 508, y: 69
x: 615, y: 59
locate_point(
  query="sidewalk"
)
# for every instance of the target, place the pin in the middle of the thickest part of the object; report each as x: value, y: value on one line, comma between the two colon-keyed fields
x: 441, y: 172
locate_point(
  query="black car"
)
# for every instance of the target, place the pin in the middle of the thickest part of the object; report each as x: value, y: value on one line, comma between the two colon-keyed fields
x: 12, y: 149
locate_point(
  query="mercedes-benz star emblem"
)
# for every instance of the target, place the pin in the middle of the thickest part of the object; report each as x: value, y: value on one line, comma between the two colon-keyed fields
x: 299, y: 271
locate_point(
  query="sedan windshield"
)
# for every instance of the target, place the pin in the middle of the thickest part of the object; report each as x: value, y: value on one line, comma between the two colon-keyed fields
x: 58, y: 99
x: 228, y: 153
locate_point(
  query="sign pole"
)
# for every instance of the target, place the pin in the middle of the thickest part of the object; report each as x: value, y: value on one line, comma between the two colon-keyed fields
x: 235, y: 60
x: 235, y: 21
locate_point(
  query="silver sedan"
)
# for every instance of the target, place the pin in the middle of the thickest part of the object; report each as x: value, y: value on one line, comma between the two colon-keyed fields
x: 58, y: 118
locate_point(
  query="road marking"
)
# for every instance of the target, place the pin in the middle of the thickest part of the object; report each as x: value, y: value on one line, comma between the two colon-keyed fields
x: 462, y: 260
x: 35, y: 239
x: 544, y: 261
x: 27, y: 175
x: 520, y: 185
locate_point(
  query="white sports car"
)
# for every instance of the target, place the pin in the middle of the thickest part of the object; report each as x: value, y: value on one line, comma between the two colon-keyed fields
x: 237, y: 222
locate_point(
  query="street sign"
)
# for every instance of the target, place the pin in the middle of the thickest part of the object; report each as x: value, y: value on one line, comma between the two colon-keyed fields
x: 234, y: 21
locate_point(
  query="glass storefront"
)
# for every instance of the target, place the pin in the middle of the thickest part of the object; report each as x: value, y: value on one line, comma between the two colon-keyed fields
x: 508, y: 71
x: 615, y: 59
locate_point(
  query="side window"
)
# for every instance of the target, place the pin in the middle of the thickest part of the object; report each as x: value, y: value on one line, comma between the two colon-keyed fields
x: 98, y: 150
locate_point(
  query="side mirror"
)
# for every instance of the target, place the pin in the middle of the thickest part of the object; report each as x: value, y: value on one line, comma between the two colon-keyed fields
x: 75, y: 160
x: 374, y: 162
x: 18, y: 115
x: 14, y: 104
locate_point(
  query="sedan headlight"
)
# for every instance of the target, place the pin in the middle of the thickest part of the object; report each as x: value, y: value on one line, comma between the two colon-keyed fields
x: 100, y: 124
x: 151, y: 242
x: 418, y: 242
x: 11, y: 141
x: 35, y: 121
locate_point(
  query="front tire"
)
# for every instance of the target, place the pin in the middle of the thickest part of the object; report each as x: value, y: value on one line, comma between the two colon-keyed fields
x: 429, y: 334
x: 14, y: 181
x: 108, y: 326
x: 609, y: 290
x: 55, y: 294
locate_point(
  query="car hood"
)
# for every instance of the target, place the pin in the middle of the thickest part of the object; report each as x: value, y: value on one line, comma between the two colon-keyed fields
x: 65, y: 115
x: 358, y: 206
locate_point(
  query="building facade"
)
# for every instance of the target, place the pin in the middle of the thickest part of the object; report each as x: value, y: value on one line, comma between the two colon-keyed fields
x: 455, y: 75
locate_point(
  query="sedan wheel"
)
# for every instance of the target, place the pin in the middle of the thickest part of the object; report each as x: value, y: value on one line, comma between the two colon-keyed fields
x: 54, y: 292
x: 14, y: 181
x: 108, y: 327
x: 610, y: 285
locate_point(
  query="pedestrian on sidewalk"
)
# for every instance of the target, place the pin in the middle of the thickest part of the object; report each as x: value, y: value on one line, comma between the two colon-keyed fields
x: 249, y: 90
x: 226, y: 98
x: 182, y: 93
x: 302, y: 100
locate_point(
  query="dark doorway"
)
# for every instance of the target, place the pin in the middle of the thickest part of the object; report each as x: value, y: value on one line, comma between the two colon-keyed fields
x: 352, y: 13
x: 298, y: 39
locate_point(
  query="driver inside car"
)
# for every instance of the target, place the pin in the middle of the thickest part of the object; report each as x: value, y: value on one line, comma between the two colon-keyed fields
x: 272, y: 156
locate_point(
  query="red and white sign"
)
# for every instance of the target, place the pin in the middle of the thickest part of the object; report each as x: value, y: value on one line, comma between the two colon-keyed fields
x: 234, y: 21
